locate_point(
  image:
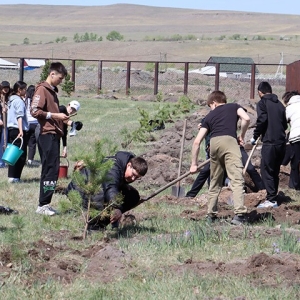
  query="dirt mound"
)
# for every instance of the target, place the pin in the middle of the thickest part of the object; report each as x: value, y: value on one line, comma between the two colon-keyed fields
x: 261, y: 269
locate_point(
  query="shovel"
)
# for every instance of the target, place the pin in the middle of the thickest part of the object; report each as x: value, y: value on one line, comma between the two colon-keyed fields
x: 250, y: 155
x: 177, y: 190
x: 174, y: 181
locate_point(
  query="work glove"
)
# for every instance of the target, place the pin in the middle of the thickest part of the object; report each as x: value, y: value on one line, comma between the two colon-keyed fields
x: 253, y: 141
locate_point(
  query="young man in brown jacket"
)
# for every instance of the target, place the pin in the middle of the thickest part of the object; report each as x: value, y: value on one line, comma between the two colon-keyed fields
x: 45, y: 108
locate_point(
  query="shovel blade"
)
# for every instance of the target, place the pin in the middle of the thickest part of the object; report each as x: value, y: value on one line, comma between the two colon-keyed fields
x: 178, y: 191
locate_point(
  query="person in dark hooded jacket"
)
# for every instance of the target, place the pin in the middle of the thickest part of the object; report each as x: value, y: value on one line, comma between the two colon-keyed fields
x: 271, y: 125
x: 126, y: 169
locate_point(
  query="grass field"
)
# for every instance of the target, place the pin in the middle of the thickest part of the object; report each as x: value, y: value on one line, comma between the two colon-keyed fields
x: 159, y: 246
x: 148, y: 258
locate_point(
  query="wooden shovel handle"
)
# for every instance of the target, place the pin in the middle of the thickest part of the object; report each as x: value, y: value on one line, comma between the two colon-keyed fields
x: 175, y: 180
x: 250, y: 155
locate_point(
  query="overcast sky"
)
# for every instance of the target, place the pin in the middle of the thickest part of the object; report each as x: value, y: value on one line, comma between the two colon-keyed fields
x: 264, y: 6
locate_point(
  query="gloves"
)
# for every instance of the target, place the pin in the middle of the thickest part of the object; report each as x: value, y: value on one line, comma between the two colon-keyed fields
x: 78, y: 125
x: 253, y: 141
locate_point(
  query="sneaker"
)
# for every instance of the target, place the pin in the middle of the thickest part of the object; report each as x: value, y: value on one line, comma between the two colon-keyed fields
x: 46, y: 210
x: 14, y: 180
x: 267, y: 204
x: 211, y: 218
x: 7, y: 210
x: 239, y: 220
x: 73, y: 129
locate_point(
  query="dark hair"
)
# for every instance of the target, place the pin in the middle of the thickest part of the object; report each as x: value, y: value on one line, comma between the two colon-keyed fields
x: 18, y: 85
x: 29, y: 94
x: 30, y: 91
x: 59, y: 68
x: 288, y: 95
x: 265, y: 87
x: 139, y: 164
x: 216, y: 96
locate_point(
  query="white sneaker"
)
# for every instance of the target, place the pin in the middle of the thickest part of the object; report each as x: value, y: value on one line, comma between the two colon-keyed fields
x: 73, y: 130
x: 14, y: 180
x: 267, y: 204
x: 46, y: 210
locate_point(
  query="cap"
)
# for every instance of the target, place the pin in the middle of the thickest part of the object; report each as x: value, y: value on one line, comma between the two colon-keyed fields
x: 5, y: 84
x: 75, y: 104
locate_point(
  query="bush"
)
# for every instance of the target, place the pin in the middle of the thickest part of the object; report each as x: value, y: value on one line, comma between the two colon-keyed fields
x: 114, y: 36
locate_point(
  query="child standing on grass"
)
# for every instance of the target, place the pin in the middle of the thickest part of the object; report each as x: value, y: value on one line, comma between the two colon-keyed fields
x: 45, y: 107
x: 17, y: 126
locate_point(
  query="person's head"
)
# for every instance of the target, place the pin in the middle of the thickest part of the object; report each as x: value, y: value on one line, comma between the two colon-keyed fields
x: 5, y: 87
x: 73, y: 107
x: 216, y: 98
x: 30, y: 91
x: 264, y: 88
x: 57, y: 72
x: 136, y: 168
x: 288, y: 95
x: 19, y: 88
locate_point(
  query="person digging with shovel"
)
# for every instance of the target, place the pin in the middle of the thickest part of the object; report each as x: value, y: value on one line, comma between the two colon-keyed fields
x: 126, y: 169
x: 225, y: 154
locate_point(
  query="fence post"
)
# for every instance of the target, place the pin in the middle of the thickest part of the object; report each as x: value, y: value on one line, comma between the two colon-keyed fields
x: 99, y: 77
x: 21, y: 71
x: 186, y: 78
x: 128, y: 78
x: 156, y: 78
x: 252, y: 86
x: 217, y: 77
x: 73, y: 73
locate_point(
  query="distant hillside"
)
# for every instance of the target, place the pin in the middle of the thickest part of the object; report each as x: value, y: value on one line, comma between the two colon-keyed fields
x: 257, y: 35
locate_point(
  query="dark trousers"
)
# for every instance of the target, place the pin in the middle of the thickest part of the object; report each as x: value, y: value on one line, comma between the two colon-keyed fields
x: 271, y: 159
x: 295, y: 166
x: 31, y: 141
x: 255, y: 177
x: 16, y: 170
x: 205, y: 175
x: 199, y: 181
x: 48, y: 145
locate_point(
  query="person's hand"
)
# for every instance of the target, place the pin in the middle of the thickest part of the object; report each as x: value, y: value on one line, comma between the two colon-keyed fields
x: 115, y: 216
x: 64, y: 153
x: 241, y: 141
x: 199, y: 126
x: 1, y: 123
x: 193, y: 169
x: 253, y: 141
x: 60, y: 116
x: 20, y: 135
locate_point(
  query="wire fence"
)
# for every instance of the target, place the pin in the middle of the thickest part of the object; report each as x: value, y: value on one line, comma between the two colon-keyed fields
x: 167, y: 79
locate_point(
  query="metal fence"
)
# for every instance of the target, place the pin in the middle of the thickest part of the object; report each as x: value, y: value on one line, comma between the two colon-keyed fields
x: 166, y: 79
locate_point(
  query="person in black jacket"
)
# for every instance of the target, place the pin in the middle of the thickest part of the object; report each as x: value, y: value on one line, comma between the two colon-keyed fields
x: 126, y: 169
x: 270, y: 125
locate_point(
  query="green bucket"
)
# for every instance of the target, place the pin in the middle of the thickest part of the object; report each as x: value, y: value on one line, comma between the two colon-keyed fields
x: 12, y: 153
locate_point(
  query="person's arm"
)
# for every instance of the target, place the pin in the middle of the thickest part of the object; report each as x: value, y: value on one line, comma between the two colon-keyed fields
x: 195, y: 149
x: 37, y: 104
x: 245, y: 121
x: 20, y: 126
x: 262, y: 120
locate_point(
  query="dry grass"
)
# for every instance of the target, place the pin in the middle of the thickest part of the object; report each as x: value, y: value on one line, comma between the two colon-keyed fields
x: 46, y: 23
